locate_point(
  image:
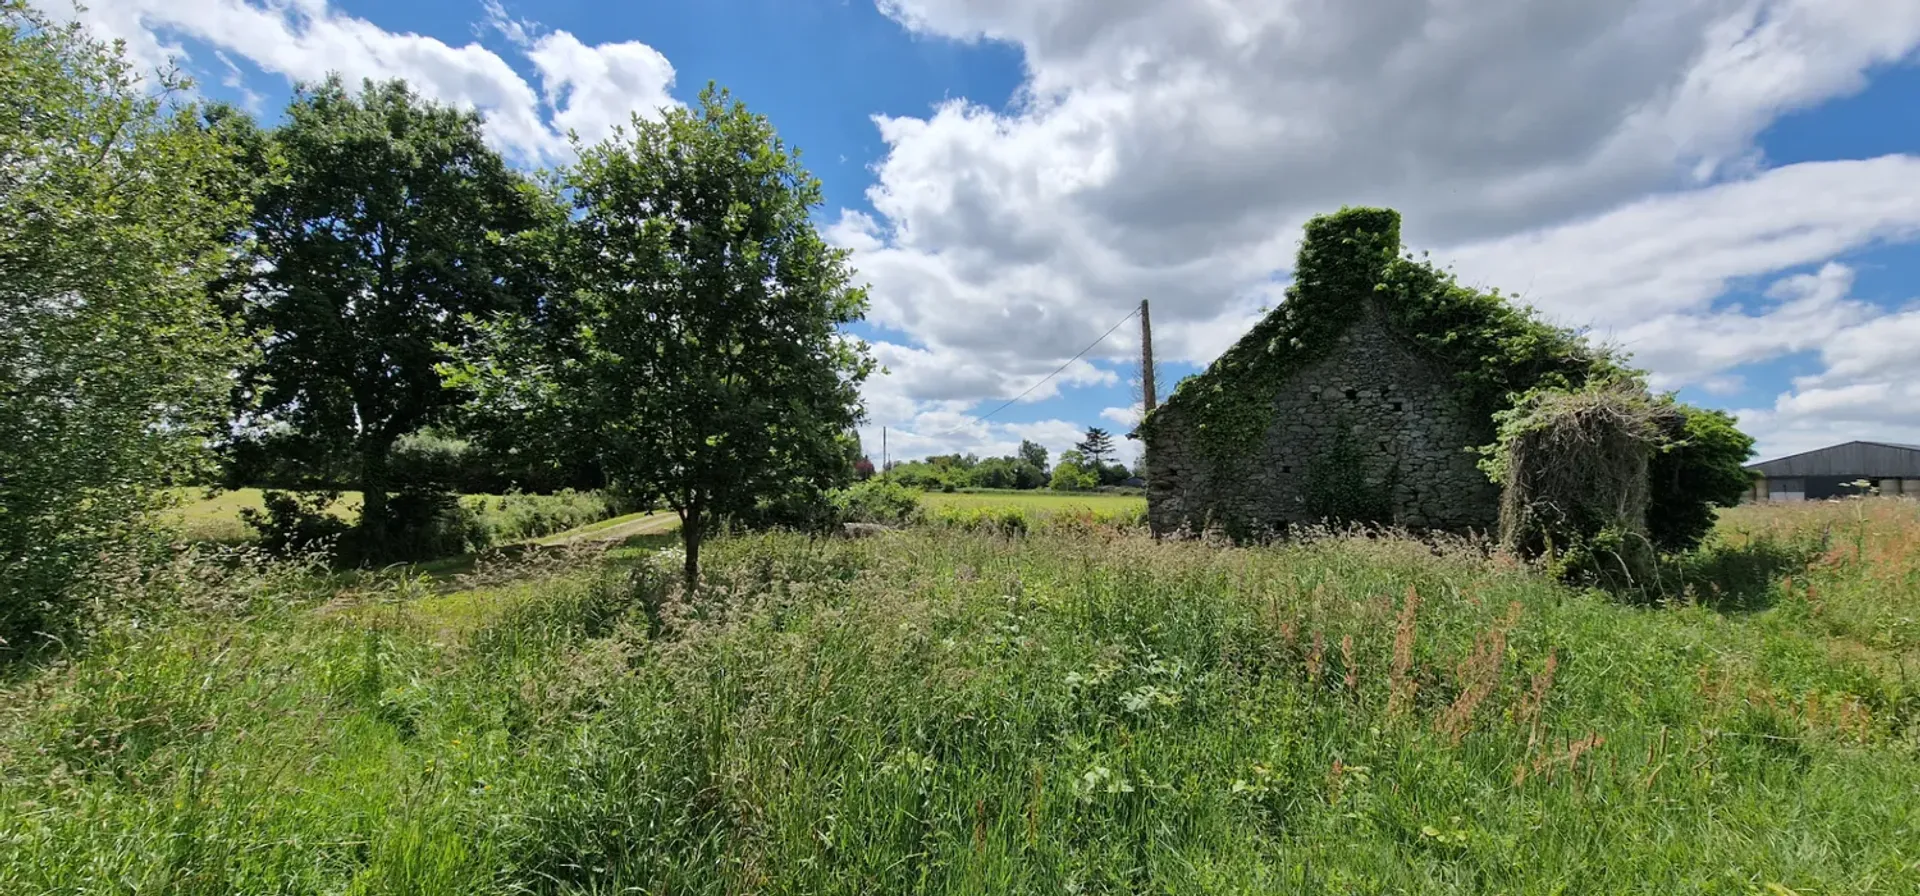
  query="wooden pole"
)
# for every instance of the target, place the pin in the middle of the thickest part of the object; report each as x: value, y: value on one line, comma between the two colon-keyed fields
x: 1147, y: 399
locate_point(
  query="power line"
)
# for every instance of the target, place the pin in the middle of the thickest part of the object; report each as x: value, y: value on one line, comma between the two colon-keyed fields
x: 1010, y: 401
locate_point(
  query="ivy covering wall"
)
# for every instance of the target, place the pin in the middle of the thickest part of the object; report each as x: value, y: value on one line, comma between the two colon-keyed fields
x: 1350, y: 266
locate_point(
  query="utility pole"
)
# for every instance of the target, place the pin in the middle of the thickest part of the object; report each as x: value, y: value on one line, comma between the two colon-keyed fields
x: 883, y: 452
x: 1147, y: 401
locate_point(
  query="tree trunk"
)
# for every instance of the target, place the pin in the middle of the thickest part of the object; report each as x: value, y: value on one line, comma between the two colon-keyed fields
x: 691, y: 522
x: 373, y: 530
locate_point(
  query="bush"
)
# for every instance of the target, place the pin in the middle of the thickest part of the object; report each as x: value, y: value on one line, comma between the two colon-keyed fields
x: 296, y: 523
x: 1069, y: 478
x: 1702, y: 468
x: 1573, y: 473
x: 516, y: 517
x: 879, y: 501
x: 423, y: 525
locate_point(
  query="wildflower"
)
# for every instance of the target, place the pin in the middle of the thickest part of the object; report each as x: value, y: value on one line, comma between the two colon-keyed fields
x: 1400, y: 685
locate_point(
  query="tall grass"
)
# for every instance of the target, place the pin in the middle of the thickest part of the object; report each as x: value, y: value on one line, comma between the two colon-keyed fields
x: 1074, y: 710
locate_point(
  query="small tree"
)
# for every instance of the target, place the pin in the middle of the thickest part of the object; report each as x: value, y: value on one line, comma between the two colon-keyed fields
x: 696, y: 346
x: 1098, y: 446
x: 113, y: 362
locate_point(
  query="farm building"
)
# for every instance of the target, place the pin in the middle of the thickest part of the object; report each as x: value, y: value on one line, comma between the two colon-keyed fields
x: 1839, y: 470
x: 1360, y: 399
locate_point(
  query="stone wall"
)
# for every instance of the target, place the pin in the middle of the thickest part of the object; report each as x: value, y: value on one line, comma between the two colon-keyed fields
x: 1373, y: 414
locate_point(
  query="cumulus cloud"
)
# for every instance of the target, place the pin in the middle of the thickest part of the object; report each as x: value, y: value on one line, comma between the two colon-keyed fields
x: 1171, y: 150
x: 588, y: 88
x: 1868, y: 387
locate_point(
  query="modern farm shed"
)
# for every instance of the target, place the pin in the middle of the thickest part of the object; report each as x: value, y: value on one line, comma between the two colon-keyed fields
x: 1838, y: 470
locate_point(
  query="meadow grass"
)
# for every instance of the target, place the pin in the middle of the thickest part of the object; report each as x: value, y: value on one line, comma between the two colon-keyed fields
x: 201, y: 515
x: 1077, y: 709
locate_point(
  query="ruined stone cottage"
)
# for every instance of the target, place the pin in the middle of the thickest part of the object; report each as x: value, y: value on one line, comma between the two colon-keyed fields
x: 1359, y: 399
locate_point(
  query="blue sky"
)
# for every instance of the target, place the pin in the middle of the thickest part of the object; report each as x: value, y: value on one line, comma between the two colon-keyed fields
x: 1730, y: 189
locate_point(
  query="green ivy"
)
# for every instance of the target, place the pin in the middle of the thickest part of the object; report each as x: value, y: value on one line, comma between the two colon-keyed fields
x: 1336, y: 487
x: 1498, y: 352
x: 1346, y: 259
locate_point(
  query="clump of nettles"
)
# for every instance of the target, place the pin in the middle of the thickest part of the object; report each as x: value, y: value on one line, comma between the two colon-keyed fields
x: 1600, y: 481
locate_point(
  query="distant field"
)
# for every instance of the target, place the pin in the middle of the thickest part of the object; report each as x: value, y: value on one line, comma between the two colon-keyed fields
x: 1037, y: 501
x: 508, y: 517
x: 201, y: 518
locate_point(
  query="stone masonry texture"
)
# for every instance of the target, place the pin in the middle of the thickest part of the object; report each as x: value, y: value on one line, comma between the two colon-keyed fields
x: 1374, y: 406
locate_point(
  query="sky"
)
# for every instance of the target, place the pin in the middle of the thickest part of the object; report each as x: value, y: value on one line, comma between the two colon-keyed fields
x: 1727, y: 189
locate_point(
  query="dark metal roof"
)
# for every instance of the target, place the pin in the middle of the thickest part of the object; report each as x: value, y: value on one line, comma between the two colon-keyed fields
x: 1872, y: 460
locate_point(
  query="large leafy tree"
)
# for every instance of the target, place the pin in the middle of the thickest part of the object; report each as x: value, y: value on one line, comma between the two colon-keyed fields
x: 388, y: 229
x: 1034, y: 453
x: 696, y: 347
x: 113, y: 358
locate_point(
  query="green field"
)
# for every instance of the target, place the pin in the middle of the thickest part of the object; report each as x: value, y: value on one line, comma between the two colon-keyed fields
x: 1077, y: 709
x: 202, y: 518
x: 1036, y: 501
x: 216, y: 518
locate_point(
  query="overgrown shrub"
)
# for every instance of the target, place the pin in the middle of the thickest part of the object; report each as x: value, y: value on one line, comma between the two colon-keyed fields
x: 421, y: 524
x: 516, y: 517
x: 1572, y: 467
x: 1702, y: 468
x: 291, y: 523
x: 879, y: 501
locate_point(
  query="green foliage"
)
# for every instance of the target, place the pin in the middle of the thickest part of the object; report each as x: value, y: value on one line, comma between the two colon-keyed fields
x: 1572, y: 465
x: 1349, y: 261
x: 1034, y: 453
x: 695, y: 348
x: 1337, y: 490
x: 1702, y: 467
x: 1617, y: 476
x: 113, y: 359
x: 289, y: 524
x: 1068, y: 711
x: 880, y: 501
x: 434, y: 524
x: 953, y: 472
x: 1072, y: 477
x: 385, y: 226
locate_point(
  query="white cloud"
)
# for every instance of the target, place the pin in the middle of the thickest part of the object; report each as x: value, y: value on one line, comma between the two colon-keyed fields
x: 1599, y: 157
x: 588, y: 88
x: 1676, y: 252
x: 1868, y: 388
x: 1127, y: 417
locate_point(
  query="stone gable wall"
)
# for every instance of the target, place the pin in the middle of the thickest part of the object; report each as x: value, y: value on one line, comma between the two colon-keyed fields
x: 1374, y: 407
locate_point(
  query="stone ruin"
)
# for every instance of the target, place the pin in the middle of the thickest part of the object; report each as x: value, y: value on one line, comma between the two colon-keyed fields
x: 1352, y: 423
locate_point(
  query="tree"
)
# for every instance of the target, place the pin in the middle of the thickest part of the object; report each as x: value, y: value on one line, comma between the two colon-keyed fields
x: 696, y: 348
x: 1034, y: 453
x: 1098, y: 446
x: 389, y: 229
x: 113, y: 358
x: 863, y: 468
x: 1072, y: 478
